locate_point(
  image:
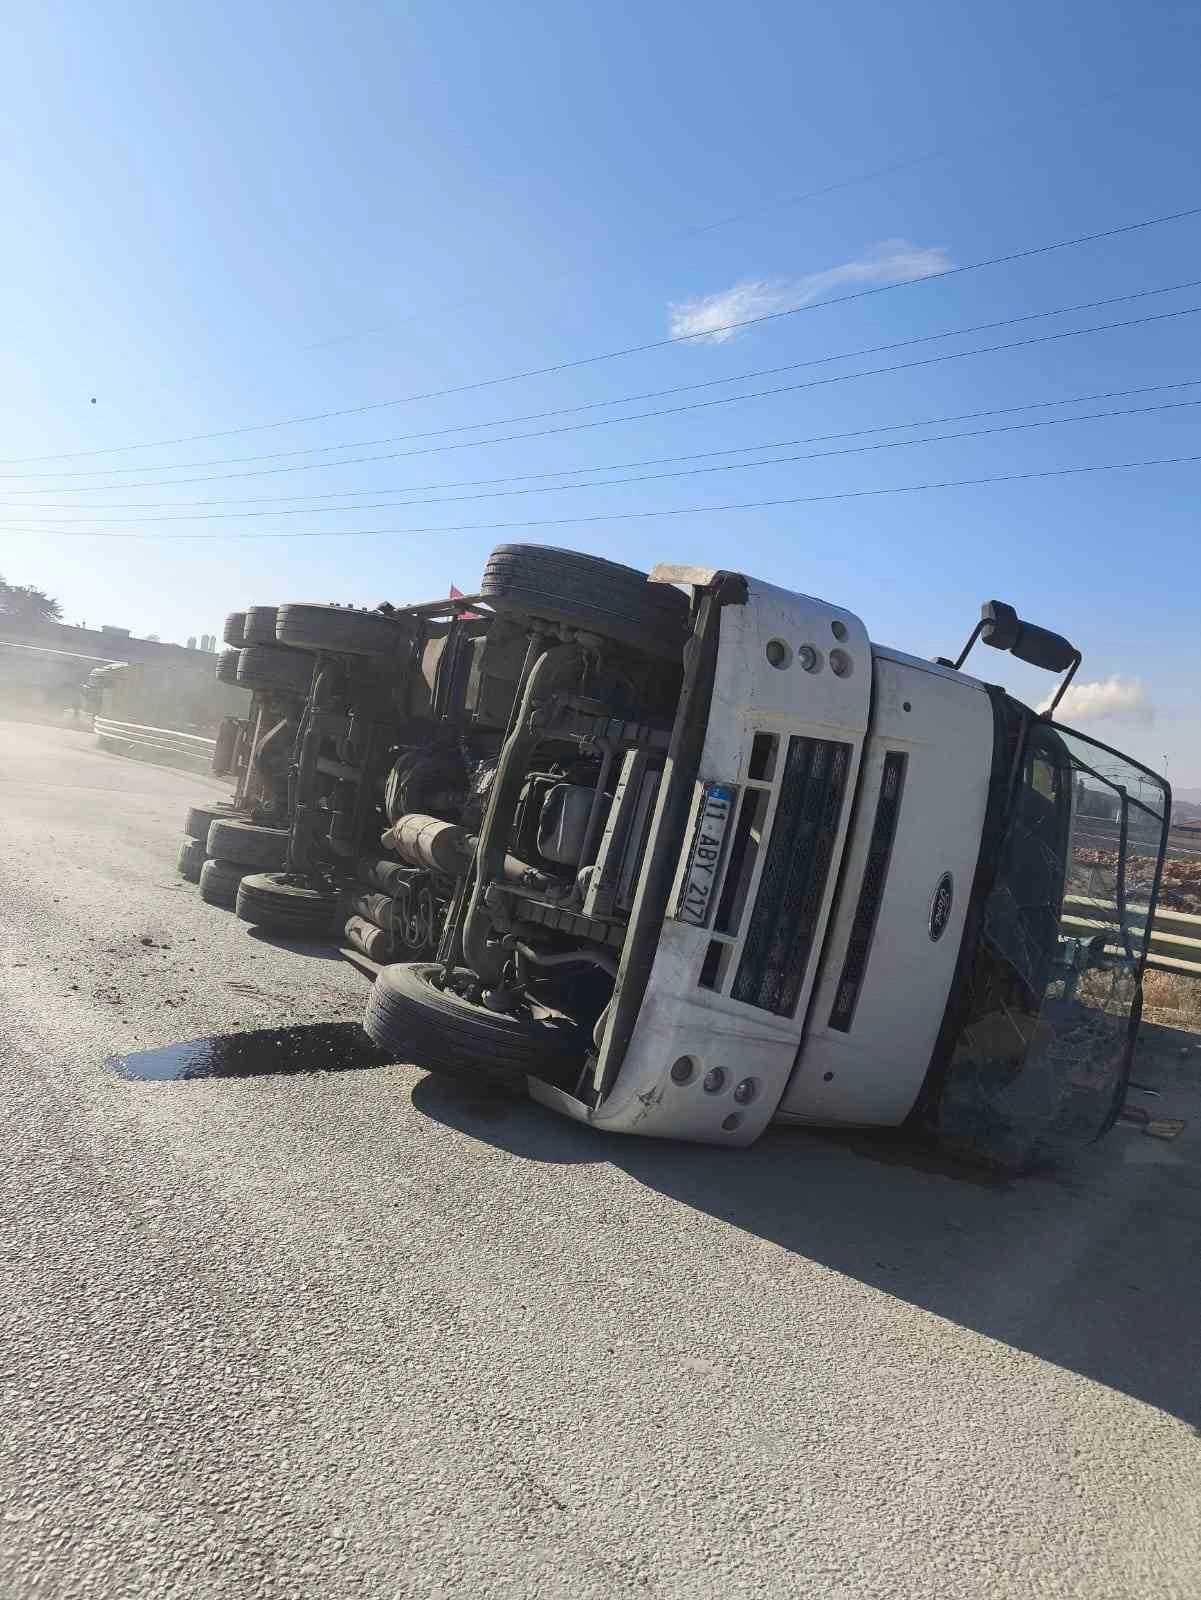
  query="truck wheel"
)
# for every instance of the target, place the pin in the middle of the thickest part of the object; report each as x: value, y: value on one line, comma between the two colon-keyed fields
x: 227, y: 666
x: 234, y: 631
x: 587, y: 592
x: 247, y: 843
x: 259, y: 627
x: 285, y: 903
x: 219, y: 882
x: 271, y: 667
x: 201, y: 818
x: 341, y: 630
x: 409, y: 1014
x: 191, y: 859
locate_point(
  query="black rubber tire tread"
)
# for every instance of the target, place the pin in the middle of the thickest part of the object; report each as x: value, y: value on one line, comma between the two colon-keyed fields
x: 259, y: 627
x: 339, y: 630
x: 201, y: 818
x: 437, y: 1030
x: 227, y: 666
x: 275, y: 669
x: 588, y: 592
x: 287, y: 905
x: 248, y: 844
x: 219, y: 882
x: 234, y: 631
x: 191, y: 859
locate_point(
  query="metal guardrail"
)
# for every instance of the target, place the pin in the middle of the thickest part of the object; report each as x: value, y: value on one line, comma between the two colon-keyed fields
x: 1175, y: 942
x: 1098, y: 834
x: 134, y: 738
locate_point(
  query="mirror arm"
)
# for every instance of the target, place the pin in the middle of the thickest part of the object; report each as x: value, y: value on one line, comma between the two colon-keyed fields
x: 1063, y: 687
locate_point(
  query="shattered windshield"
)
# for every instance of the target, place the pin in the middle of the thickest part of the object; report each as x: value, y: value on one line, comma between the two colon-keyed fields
x: 1040, y: 1064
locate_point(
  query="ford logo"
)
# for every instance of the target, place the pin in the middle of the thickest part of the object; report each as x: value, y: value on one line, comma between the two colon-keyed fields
x: 940, y: 906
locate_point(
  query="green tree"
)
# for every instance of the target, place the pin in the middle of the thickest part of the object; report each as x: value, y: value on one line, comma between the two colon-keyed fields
x: 21, y: 602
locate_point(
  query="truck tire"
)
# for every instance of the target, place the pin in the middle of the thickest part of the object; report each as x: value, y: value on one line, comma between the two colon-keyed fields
x: 438, y: 1030
x: 201, y: 818
x: 191, y: 859
x: 227, y: 666
x: 587, y: 592
x: 250, y: 845
x: 259, y: 627
x: 341, y: 630
x: 219, y: 882
x: 278, y: 671
x: 234, y: 631
x: 284, y: 903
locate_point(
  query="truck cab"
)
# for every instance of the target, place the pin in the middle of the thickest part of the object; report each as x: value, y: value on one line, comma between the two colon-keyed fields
x: 796, y: 876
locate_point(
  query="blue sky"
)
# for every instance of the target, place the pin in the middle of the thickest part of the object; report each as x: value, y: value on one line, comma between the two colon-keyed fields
x: 212, y: 226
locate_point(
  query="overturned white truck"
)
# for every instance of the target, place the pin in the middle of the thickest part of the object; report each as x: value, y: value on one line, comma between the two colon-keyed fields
x: 738, y: 864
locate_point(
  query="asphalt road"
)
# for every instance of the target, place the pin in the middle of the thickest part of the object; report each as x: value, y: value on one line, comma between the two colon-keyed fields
x: 354, y: 1334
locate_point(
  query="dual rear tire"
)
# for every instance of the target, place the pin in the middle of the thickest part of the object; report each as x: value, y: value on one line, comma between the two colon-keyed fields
x: 275, y: 669
x: 219, y: 882
x: 343, y: 630
x: 191, y: 859
x: 254, y: 847
x: 582, y: 591
x: 285, y: 903
x: 201, y: 818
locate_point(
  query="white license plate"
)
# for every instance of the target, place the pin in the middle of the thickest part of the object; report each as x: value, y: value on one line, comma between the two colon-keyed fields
x: 698, y: 890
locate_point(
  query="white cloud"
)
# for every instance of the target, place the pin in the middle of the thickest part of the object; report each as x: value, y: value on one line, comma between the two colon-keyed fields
x: 1114, y: 698
x: 710, y: 317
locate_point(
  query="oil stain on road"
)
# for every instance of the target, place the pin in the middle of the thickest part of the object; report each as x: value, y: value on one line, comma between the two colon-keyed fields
x: 261, y: 1052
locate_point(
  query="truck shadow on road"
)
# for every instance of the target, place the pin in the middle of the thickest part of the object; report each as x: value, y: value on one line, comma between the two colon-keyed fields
x: 1095, y: 1267
x: 301, y: 947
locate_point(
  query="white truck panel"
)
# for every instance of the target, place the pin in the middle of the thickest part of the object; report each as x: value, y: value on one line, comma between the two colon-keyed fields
x: 871, y: 1073
x: 677, y: 1018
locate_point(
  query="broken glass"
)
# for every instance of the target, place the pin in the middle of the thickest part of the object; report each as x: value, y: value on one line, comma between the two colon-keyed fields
x: 1040, y: 1065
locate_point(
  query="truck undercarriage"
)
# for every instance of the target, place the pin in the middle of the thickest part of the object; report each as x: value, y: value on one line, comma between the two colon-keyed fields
x: 690, y: 855
x: 789, y: 876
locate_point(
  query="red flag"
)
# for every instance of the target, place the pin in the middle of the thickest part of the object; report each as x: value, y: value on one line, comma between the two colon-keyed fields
x: 466, y: 613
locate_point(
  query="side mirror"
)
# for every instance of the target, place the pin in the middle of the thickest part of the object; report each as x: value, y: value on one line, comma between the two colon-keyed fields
x: 1039, y: 647
x: 999, y: 625
x: 1002, y: 628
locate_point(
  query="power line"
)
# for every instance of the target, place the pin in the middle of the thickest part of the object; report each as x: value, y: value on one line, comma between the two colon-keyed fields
x: 870, y: 175
x: 635, y: 349
x: 621, y: 466
x: 668, y: 238
x: 597, y: 405
x: 663, y: 411
x: 638, y: 516
x: 651, y: 477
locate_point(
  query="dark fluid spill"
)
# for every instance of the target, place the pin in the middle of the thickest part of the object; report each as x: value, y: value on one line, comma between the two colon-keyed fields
x: 317, y: 1047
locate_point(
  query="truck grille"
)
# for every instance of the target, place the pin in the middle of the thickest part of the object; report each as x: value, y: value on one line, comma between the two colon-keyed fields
x: 871, y: 890
x: 796, y: 869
